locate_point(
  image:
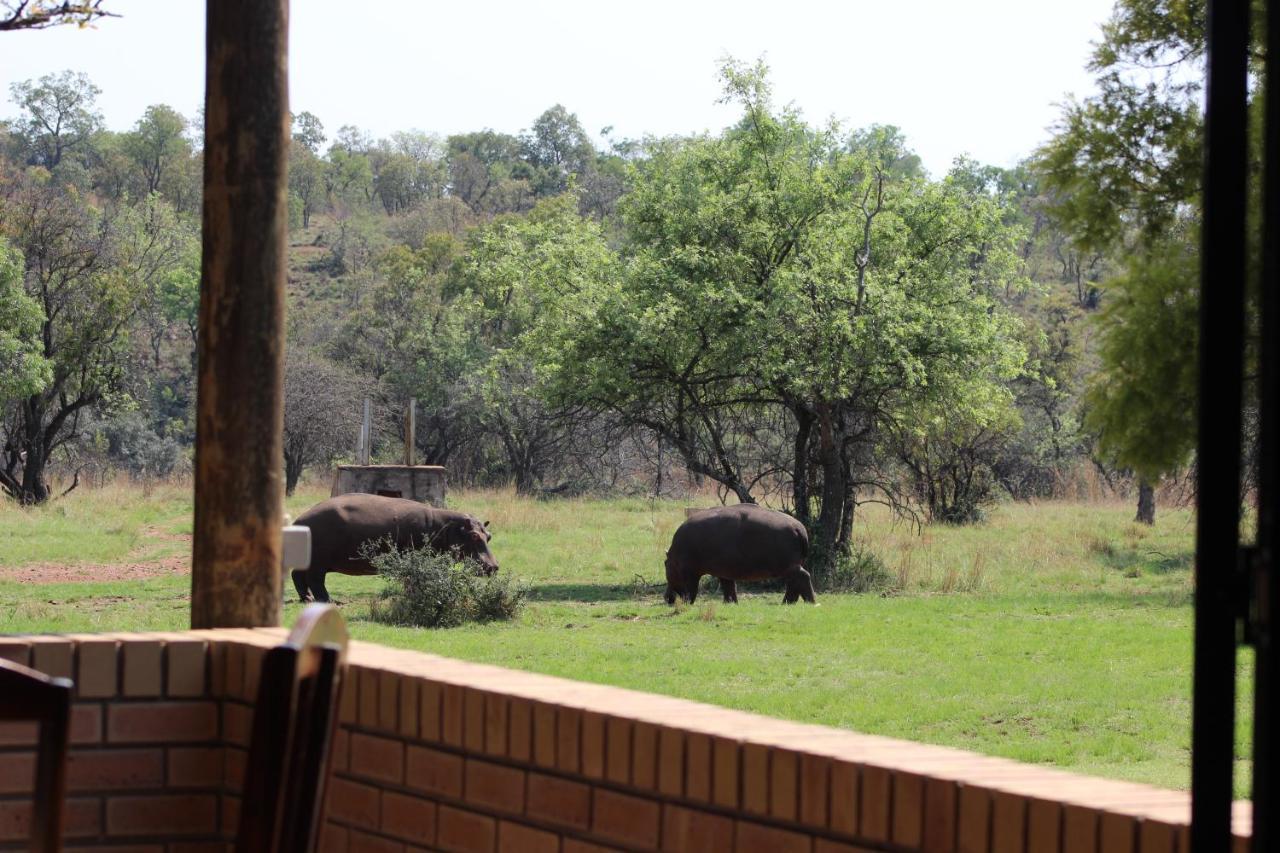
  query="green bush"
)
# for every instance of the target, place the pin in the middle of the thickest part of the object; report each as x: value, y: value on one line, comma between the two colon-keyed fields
x: 429, y: 590
x: 860, y: 571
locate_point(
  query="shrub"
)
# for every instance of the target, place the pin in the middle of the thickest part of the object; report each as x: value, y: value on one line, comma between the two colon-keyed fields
x: 860, y: 571
x: 429, y: 590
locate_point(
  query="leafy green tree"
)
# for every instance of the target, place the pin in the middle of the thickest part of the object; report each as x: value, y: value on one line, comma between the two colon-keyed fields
x: 60, y: 115
x: 158, y: 145
x: 23, y: 368
x: 308, y: 131
x: 1124, y: 167
x: 557, y: 147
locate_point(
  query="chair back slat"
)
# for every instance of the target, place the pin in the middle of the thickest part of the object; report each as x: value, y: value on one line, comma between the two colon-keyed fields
x: 33, y: 696
x: 293, y: 726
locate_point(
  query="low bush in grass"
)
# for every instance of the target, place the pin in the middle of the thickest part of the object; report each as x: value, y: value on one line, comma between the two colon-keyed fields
x: 429, y: 590
x: 860, y: 571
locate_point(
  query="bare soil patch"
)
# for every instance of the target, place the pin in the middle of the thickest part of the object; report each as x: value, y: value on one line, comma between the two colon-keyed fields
x: 42, y: 573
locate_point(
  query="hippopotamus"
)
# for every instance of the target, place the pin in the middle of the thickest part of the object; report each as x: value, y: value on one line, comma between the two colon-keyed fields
x: 743, y: 542
x: 341, y: 525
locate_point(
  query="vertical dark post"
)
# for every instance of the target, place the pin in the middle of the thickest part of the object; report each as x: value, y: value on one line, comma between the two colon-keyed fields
x: 235, y: 578
x: 1266, y: 746
x: 410, y: 432
x: 1218, y: 463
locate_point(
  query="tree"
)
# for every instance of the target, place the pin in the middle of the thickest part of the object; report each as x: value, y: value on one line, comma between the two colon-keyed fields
x: 23, y: 368
x: 321, y: 412
x: 1124, y: 167
x: 90, y: 272
x: 38, y: 14
x: 157, y: 143
x: 307, y: 174
x: 60, y: 115
x: 308, y: 131
x: 557, y: 147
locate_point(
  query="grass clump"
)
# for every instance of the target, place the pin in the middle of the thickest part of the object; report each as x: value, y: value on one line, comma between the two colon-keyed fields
x: 429, y: 590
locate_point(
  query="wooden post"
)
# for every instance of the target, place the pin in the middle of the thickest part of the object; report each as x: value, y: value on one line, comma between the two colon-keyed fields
x: 366, y: 433
x: 239, y: 488
x: 411, y: 426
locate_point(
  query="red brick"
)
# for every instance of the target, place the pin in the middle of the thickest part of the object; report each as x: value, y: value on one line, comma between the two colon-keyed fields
x: 697, y: 767
x: 544, y: 735
x: 873, y: 809
x: 784, y: 777
x: 52, y: 656
x: 822, y: 845
x: 974, y: 820
x: 725, y: 774
x: 514, y: 838
x: 408, y: 707
x: 434, y: 771
x: 195, y: 767
x: 339, y: 750
x: 573, y: 845
x: 473, y: 720
x: 939, y: 816
x: 168, y: 814
x: 162, y: 722
x: 559, y: 801
x: 593, y: 745
x: 184, y: 847
x: 617, y: 733
x: 388, y: 701
x: 186, y: 662
x: 377, y: 758
x: 230, y: 814
x: 353, y: 804
x: 18, y: 651
x: 237, y: 723
x: 233, y: 764
x: 644, y: 756
x: 349, y: 699
x: 568, y: 739
x: 627, y: 820
x: 687, y: 831
x: 497, y: 787
x: 815, y: 773
x: 1118, y: 834
x: 1044, y: 826
x: 96, y: 668
x: 465, y: 832
x: 670, y: 762
x: 253, y: 657
x: 755, y: 778
x: 908, y: 809
x: 18, y: 734
x: 367, y: 713
x: 844, y: 797
x: 363, y: 842
x: 1155, y: 837
x: 451, y: 715
x: 495, y: 724
x: 17, y: 772
x: 142, y: 672
x: 755, y: 838
x: 520, y: 728
x: 410, y: 818
x: 1008, y: 823
x: 86, y: 723
x: 1079, y: 829
x: 80, y: 818
x: 89, y: 770
x: 333, y: 838
x: 429, y: 697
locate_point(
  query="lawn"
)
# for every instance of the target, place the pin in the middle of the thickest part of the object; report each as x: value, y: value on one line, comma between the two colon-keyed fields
x: 1054, y: 632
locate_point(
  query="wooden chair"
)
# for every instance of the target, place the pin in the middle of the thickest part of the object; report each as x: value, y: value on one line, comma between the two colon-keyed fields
x: 33, y: 696
x: 293, y: 726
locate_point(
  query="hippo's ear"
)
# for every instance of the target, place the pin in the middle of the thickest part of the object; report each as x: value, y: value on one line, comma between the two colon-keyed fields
x: 486, y: 524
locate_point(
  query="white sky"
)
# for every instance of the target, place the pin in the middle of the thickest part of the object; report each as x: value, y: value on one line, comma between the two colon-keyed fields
x: 981, y: 77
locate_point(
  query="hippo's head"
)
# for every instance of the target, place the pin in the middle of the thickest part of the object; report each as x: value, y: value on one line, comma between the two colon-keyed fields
x: 675, y: 582
x: 472, y: 540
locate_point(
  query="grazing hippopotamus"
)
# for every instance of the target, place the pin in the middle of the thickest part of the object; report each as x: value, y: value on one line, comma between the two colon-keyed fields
x: 341, y: 525
x: 743, y: 542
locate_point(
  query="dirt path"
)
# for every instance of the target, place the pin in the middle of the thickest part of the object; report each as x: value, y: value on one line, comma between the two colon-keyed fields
x: 128, y: 570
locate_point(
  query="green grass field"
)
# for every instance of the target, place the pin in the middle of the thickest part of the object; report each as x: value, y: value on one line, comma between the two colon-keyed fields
x: 1056, y: 632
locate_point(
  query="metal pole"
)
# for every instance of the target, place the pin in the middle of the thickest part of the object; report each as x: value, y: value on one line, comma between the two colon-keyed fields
x: 1218, y: 461
x: 367, y: 432
x: 1266, y: 702
x: 409, y: 434
x: 239, y: 489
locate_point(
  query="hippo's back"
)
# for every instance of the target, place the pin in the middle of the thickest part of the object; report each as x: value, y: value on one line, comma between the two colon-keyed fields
x: 342, y: 524
x: 743, y: 542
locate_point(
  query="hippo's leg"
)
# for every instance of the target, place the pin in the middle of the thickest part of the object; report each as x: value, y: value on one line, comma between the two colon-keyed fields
x: 691, y: 581
x: 315, y: 580
x: 300, y: 584
x: 799, y: 585
x: 729, y: 590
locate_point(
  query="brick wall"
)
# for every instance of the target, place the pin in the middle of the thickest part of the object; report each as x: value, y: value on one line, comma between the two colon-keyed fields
x: 438, y: 754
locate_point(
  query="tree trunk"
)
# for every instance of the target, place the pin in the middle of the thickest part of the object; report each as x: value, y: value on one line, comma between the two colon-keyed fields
x: 1146, y: 503
x: 826, y: 538
x: 800, y: 466
x: 239, y: 496
x: 292, y: 473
